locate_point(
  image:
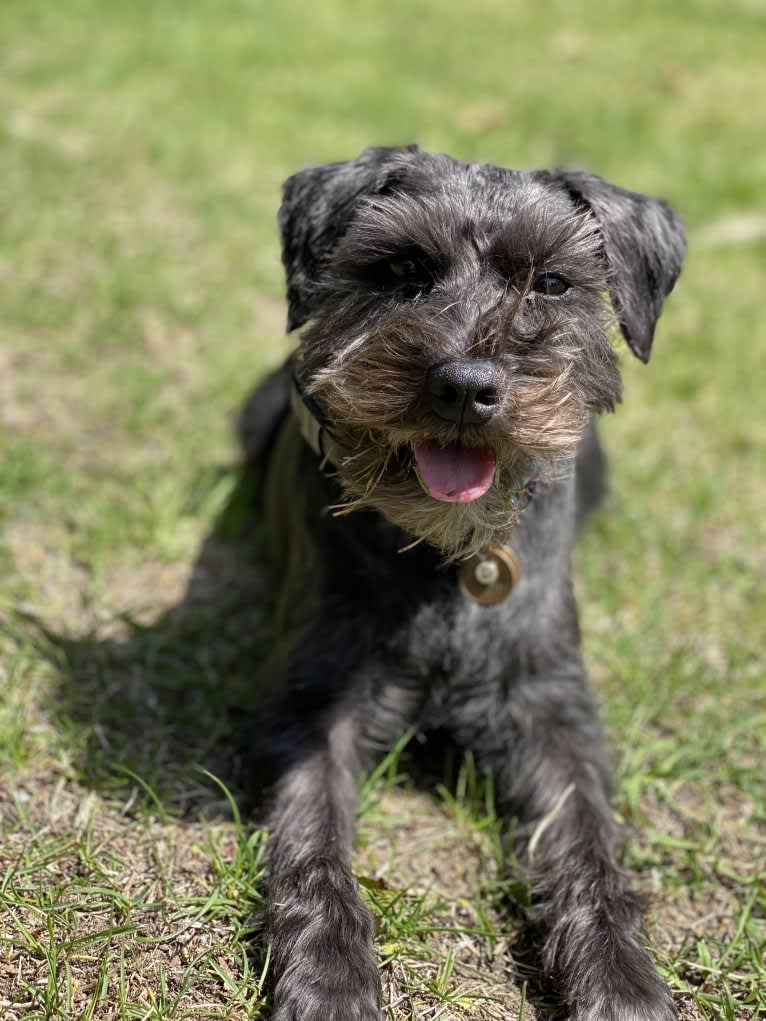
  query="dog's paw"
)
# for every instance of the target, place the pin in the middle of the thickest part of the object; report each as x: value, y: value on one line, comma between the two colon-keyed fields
x: 335, y: 1007
x: 619, y: 1009
x: 622, y: 986
x: 331, y: 973
x: 350, y: 993
x: 652, y: 1003
x: 324, y: 962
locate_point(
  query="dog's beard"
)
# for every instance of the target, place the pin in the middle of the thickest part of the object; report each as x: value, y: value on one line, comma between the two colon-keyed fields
x: 377, y: 469
x: 379, y: 475
x: 371, y: 391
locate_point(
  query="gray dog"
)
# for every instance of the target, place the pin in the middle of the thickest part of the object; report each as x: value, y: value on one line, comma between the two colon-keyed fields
x: 429, y: 452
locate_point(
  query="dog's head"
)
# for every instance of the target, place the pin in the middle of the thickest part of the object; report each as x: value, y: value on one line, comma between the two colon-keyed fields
x: 461, y: 324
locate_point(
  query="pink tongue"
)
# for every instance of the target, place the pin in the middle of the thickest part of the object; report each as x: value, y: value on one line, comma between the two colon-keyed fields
x: 455, y: 474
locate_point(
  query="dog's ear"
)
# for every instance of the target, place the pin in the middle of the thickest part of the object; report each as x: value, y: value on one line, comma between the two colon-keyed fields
x: 644, y: 244
x: 317, y: 206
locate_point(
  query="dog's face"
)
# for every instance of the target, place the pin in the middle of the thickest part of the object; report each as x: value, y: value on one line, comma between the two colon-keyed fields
x: 461, y: 324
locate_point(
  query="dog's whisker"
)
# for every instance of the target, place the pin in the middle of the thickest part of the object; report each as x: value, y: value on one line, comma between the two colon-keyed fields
x: 448, y: 308
x: 411, y: 545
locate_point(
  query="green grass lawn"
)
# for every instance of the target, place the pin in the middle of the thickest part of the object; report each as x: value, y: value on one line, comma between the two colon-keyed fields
x: 142, y: 147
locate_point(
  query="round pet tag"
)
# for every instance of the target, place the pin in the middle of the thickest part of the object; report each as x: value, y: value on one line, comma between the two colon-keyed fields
x: 489, y: 577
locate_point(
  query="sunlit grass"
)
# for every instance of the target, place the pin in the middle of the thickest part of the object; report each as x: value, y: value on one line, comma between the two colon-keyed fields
x: 142, y: 146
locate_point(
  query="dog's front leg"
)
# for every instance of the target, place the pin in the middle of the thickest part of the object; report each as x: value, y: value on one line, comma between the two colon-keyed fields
x: 321, y: 930
x: 553, y: 780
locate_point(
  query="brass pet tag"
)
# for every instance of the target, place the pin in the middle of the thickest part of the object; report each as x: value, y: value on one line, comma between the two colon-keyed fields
x: 489, y: 577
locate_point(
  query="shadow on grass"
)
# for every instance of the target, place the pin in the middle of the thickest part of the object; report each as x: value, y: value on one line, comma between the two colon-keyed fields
x: 161, y: 700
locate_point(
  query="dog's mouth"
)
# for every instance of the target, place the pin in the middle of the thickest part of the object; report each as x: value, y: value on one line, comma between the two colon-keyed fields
x: 454, y: 473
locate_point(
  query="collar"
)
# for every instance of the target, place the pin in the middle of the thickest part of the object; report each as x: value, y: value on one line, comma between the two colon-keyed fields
x: 315, y: 427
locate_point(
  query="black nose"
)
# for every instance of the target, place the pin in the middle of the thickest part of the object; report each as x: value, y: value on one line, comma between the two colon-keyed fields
x: 465, y: 391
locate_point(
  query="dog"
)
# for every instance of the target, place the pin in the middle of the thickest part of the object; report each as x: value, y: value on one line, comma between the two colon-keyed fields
x: 429, y: 451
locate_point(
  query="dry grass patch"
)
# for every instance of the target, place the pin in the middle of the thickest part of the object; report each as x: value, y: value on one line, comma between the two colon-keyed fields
x: 116, y: 914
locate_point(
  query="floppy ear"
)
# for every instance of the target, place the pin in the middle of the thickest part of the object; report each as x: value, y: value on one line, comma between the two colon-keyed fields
x: 644, y: 244
x: 317, y: 205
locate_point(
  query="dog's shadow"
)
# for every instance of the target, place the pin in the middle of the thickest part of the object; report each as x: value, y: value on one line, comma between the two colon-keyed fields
x: 159, y: 700
x: 166, y: 703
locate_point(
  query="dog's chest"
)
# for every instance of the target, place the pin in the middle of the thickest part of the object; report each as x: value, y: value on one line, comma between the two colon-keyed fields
x: 452, y: 650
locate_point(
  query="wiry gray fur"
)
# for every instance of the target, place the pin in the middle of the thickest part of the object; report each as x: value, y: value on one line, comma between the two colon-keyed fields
x: 371, y: 640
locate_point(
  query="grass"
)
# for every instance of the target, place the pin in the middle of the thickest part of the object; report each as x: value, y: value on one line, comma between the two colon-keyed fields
x: 142, y: 146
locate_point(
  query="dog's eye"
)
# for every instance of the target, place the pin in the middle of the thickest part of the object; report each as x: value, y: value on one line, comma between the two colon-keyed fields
x: 404, y: 274
x: 403, y: 269
x: 550, y: 284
